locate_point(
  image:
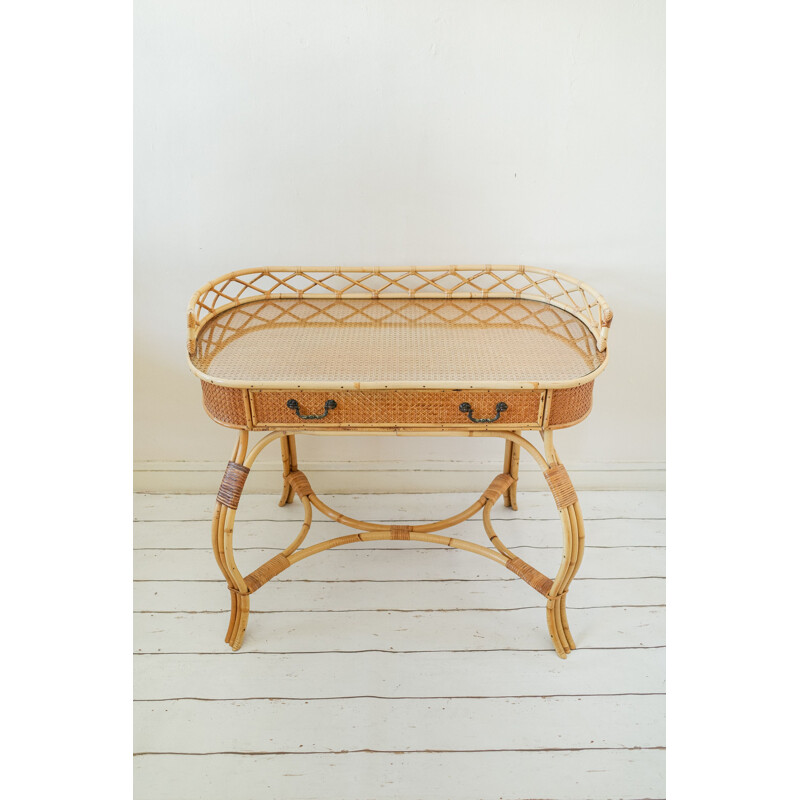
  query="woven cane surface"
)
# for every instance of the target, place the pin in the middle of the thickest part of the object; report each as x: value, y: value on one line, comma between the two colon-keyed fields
x: 399, y: 407
x: 405, y: 340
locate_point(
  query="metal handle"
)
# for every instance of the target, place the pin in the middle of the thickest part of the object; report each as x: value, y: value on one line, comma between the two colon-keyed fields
x: 466, y: 408
x: 295, y: 406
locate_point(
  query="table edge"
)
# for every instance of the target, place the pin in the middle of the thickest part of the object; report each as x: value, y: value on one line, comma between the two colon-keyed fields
x: 370, y: 386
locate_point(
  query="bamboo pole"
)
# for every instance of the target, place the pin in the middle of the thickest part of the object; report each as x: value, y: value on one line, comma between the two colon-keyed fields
x: 450, y: 521
x: 303, y: 531
x: 292, y: 458
x: 574, y: 537
x: 511, y: 466
x: 385, y: 535
x: 218, y: 538
x: 225, y: 519
x: 289, y: 459
x: 342, y: 518
x: 241, y: 621
x: 490, y: 532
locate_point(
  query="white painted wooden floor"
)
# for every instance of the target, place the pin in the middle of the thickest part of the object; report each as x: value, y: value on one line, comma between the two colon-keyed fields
x: 399, y: 670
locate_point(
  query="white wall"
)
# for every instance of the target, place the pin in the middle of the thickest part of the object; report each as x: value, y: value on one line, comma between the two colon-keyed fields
x: 394, y: 133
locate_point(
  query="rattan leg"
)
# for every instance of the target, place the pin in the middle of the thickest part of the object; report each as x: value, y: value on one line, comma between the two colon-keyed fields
x: 574, y: 536
x: 560, y: 582
x: 223, y: 506
x: 511, y: 466
x: 222, y: 530
x: 553, y: 589
x: 289, y: 458
x: 234, y: 613
x: 239, y: 609
x: 222, y: 539
x: 242, y: 614
x: 572, y: 526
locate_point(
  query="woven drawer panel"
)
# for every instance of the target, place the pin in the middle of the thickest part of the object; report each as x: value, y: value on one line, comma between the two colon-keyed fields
x: 566, y: 407
x: 225, y: 405
x: 569, y: 406
x: 401, y: 407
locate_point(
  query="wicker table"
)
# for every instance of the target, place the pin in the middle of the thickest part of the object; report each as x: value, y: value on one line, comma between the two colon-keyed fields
x: 421, y: 351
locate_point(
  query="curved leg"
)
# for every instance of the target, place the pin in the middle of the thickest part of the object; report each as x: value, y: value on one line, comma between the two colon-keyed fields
x: 230, y: 491
x: 554, y: 589
x: 222, y: 537
x: 227, y: 499
x: 289, y: 458
x: 511, y: 467
x: 572, y: 524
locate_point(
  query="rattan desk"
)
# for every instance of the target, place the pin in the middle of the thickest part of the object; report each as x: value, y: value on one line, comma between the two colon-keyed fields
x: 415, y: 351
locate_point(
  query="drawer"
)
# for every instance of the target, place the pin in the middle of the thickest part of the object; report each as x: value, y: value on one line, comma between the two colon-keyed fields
x: 389, y: 408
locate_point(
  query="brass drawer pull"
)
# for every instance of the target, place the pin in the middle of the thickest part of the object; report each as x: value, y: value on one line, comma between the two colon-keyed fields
x: 295, y: 406
x: 466, y: 408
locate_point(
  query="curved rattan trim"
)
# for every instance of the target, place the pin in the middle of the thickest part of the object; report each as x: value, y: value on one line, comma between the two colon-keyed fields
x: 333, y: 386
x: 521, y: 282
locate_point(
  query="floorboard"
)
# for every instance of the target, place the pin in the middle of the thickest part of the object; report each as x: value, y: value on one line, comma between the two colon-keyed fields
x: 399, y: 670
x: 380, y: 673
x: 403, y: 595
x: 297, y: 726
x: 507, y: 775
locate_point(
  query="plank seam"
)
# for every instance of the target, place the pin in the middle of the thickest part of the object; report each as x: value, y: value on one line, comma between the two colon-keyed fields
x: 387, y: 752
x: 409, y: 697
x: 241, y: 653
x: 394, y: 610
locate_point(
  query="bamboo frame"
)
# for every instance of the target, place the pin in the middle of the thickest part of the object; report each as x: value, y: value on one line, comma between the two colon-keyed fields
x: 289, y: 458
x: 504, y: 485
x: 511, y: 466
x: 235, y: 403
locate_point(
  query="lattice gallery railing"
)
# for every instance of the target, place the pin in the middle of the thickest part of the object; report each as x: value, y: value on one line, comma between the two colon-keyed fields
x: 530, y: 283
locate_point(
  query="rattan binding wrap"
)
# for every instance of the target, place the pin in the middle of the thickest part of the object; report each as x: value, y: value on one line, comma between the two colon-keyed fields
x: 400, y: 531
x: 230, y: 490
x: 497, y: 487
x: 298, y: 481
x: 561, y: 486
x: 530, y: 575
x: 266, y: 572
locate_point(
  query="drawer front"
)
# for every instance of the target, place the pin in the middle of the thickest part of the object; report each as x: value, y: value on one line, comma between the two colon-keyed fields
x: 387, y: 408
